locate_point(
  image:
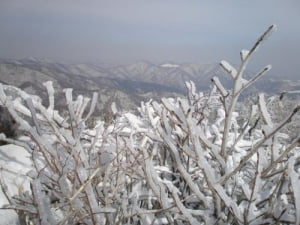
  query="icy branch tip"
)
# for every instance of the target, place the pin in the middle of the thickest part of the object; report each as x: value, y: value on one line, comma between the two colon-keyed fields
x: 228, y: 68
x: 223, y: 62
x: 270, y: 30
x: 273, y: 27
x: 268, y: 67
x: 226, y: 65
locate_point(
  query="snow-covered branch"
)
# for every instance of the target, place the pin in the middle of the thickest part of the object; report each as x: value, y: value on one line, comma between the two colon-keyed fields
x: 177, y: 161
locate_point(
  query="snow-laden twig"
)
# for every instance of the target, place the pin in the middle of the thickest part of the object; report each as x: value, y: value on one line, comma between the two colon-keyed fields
x: 295, y: 181
x: 258, y: 145
x: 264, y: 111
x: 180, y: 206
x: 238, y: 85
x: 229, y: 69
x: 44, y: 212
x: 295, y: 143
x: 220, y: 87
x: 50, y: 91
x: 193, y: 160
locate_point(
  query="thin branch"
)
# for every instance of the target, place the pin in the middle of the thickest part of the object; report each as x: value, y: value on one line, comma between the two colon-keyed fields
x: 257, y: 146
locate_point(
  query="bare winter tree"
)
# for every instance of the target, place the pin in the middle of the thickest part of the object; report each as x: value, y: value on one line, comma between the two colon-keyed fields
x: 180, y: 161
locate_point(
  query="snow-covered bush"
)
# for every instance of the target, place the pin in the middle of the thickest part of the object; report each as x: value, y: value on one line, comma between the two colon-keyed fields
x: 179, y: 161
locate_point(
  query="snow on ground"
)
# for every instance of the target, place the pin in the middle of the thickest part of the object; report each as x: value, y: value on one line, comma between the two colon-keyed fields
x: 15, y: 162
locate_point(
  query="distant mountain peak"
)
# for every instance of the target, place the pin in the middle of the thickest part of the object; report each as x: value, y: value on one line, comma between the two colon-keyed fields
x: 169, y: 65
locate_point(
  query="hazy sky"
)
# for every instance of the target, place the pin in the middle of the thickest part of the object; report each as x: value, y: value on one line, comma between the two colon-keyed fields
x: 122, y: 31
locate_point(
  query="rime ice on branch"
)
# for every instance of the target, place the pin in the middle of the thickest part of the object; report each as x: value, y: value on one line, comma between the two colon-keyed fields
x: 179, y: 161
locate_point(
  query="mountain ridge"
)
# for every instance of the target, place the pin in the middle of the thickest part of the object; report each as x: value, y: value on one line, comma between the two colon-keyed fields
x: 127, y: 84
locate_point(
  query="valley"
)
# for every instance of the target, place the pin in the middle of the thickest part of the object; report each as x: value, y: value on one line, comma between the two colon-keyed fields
x: 127, y: 85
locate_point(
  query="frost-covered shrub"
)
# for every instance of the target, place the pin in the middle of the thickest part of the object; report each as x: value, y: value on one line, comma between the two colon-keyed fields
x: 179, y: 161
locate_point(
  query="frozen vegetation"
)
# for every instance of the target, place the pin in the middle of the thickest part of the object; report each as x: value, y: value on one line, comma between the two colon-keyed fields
x: 193, y: 160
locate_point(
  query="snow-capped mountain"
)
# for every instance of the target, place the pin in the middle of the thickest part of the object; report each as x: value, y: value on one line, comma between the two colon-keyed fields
x: 127, y: 85
x: 169, y: 65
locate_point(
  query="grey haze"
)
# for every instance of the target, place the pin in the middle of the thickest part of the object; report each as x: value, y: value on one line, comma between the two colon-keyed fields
x: 124, y: 31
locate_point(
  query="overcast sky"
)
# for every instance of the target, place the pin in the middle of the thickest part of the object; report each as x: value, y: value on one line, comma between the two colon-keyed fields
x: 122, y: 31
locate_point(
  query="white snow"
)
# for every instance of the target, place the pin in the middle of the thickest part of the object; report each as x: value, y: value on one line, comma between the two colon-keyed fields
x: 229, y: 68
x: 15, y: 162
x: 244, y: 54
x: 169, y: 65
